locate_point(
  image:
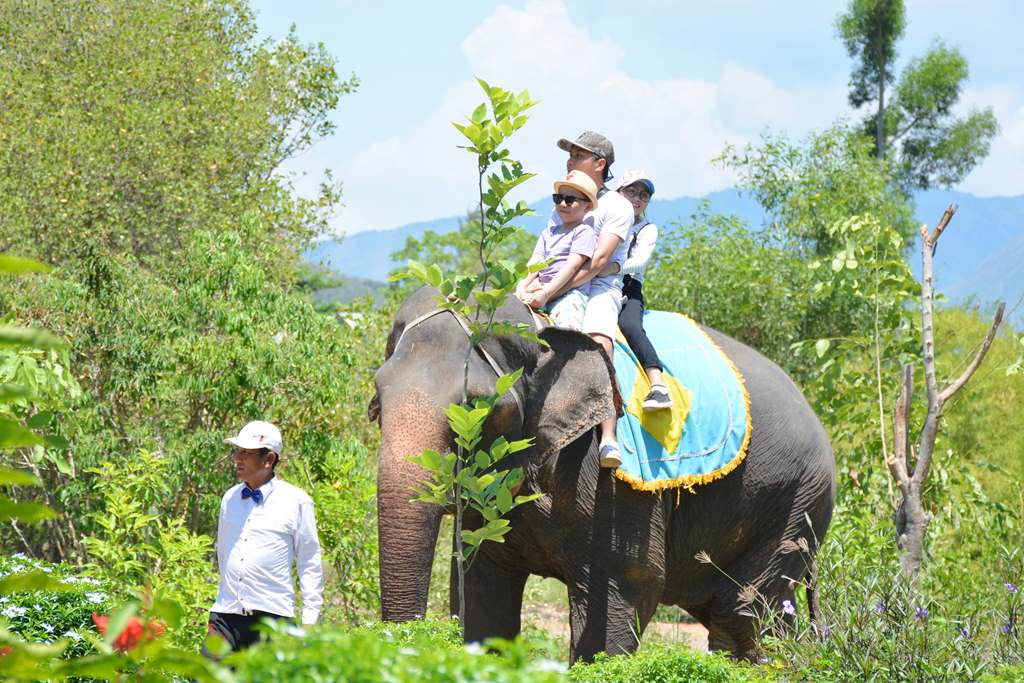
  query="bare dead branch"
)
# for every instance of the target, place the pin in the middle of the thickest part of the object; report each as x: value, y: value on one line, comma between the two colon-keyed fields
x: 978, y: 357
x: 900, y: 445
x: 947, y: 215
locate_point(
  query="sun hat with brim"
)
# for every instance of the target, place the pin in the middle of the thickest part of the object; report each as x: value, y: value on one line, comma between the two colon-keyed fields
x: 637, y: 176
x: 595, y: 143
x: 582, y: 183
x: 258, y: 434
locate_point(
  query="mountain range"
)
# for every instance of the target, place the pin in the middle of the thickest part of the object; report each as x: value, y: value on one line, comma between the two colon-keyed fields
x: 980, y: 258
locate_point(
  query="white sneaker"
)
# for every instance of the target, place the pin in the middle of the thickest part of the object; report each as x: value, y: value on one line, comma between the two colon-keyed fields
x: 657, y: 398
x: 610, y: 456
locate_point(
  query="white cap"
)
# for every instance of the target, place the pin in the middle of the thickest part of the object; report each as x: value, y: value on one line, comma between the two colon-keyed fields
x: 258, y: 434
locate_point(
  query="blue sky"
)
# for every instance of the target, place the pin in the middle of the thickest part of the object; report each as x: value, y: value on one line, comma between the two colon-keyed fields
x: 671, y: 83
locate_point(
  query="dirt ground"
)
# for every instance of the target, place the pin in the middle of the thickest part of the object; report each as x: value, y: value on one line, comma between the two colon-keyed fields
x: 554, y: 619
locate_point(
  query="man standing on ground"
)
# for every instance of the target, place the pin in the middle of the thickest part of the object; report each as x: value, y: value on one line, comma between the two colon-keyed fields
x: 265, y: 525
x: 593, y: 154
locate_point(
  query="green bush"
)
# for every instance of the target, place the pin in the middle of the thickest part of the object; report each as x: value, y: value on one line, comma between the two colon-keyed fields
x: 665, y: 664
x: 46, y: 616
x: 395, y: 653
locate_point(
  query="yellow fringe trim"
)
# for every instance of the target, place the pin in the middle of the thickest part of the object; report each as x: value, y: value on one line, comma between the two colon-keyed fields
x: 688, y: 481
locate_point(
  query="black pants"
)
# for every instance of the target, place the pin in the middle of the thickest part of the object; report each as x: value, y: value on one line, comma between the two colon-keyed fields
x: 238, y: 630
x: 631, y: 322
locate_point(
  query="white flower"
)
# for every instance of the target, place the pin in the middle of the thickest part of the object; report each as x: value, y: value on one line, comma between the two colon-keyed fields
x: 96, y: 597
x: 73, y: 635
x: 13, y: 611
x: 3, y: 600
x: 47, y: 569
x: 46, y: 627
x: 19, y: 556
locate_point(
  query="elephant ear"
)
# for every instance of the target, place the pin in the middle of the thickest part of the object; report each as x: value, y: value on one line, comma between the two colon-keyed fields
x: 571, y: 390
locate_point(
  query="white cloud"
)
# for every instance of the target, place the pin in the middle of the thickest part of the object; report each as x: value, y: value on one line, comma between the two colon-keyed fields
x: 672, y: 127
x: 1002, y: 171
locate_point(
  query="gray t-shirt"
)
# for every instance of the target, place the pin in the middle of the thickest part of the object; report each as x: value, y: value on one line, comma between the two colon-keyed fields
x: 557, y: 243
x: 614, y: 213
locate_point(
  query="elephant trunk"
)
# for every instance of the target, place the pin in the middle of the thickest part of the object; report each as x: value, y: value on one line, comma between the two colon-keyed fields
x: 407, y: 530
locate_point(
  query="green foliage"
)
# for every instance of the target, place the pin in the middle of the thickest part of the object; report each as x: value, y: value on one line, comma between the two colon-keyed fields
x: 916, y: 126
x: 61, y: 611
x: 131, y: 124
x: 136, y: 545
x: 459, y: 251
x: 345, y: 504
x: 665, y: 665
x: 726, y: 276
x: 485, y: 489
x: 396, y: 653
x: 870, y: 29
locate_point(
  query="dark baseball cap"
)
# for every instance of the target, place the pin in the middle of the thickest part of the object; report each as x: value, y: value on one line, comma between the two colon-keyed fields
x: 595, y: 143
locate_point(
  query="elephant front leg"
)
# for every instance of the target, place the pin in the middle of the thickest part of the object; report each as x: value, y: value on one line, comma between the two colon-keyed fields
x: 494, y: 600
x: 604, y: 619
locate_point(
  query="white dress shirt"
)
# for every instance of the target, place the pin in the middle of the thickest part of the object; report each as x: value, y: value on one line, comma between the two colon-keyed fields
x: 256, y: 545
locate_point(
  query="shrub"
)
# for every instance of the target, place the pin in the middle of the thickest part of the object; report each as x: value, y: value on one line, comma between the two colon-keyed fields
x: 396, y: 653
x: 665, y: 664
x: 46, y: 616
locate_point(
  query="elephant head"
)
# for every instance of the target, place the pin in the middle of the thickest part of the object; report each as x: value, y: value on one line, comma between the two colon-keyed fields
x: 566, y: 389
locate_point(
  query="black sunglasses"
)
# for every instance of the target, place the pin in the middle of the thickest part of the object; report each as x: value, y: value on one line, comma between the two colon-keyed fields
x: 569, y: 199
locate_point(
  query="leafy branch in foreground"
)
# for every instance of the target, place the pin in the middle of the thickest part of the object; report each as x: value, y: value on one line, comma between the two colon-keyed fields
x: 470, y: 478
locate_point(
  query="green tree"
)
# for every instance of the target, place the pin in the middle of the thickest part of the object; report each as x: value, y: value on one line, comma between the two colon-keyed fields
x: 459, y: 251
x: 917, y: 126
x: 129, y: 124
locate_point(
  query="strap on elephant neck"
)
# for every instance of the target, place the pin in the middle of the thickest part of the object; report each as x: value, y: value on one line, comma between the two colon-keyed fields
x: 483, y: 352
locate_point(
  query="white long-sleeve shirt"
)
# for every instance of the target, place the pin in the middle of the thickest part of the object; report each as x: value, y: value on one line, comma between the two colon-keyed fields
x: 256, y: 545
x: 641, y: 248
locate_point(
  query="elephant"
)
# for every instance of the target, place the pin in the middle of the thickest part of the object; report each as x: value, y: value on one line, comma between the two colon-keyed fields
x: 620, y: 552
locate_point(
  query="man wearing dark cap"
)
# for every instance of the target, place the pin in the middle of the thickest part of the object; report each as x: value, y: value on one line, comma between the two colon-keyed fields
x: 593, y: 154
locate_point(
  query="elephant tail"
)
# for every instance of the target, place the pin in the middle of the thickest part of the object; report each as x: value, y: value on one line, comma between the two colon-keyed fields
x: 811, y: 587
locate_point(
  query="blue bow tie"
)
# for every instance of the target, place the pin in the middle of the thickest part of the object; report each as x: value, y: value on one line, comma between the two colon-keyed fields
x: 257, y: 495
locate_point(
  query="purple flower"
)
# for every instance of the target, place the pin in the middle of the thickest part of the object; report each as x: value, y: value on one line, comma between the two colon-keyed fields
x: 1012, y: 587
x: 788, y: 608
x: 921, y: 614
x: 880, y: 606
x: 826, y: 631
x: 965, y: 632
x: 1007, y: 628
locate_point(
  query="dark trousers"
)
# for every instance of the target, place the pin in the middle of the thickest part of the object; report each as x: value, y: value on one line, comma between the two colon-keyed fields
x: 631, y: 322
x: 238, y: 630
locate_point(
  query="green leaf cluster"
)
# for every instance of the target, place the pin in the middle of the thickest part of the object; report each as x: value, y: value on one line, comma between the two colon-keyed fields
x: 130, y: 124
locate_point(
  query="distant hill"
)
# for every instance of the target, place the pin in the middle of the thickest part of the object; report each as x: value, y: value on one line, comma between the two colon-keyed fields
x: 980, y: 258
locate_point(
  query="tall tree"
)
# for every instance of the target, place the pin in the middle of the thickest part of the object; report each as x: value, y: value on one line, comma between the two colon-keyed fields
x: 870, y: 29
x: 128, y: 124
x: 916, y: 128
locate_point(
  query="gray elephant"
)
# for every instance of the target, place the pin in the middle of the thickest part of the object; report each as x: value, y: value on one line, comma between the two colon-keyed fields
x: 619, y: 551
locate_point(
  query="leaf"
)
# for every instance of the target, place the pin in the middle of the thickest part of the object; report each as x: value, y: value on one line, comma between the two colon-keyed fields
x: 24, y: 582
x: 506, y: 381
x: 119, y: 620
x: 821, y: 347
x: 13, y: 435
x: 13, y: 392
x: 504, y: 500
x: 480, y: 113
x: 29, y: 513
x: 12, y: 337
x: 17, y: 478
x: 16, y: 264
x: 39, y: 420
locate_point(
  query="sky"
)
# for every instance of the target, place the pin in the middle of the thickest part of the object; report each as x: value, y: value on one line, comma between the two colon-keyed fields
x: 670, y: 82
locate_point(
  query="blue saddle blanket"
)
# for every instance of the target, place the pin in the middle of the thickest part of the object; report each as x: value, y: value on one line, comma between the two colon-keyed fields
x: 704, y: 435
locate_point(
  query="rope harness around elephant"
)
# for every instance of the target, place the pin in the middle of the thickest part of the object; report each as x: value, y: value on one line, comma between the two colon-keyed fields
x: 464, y: 324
